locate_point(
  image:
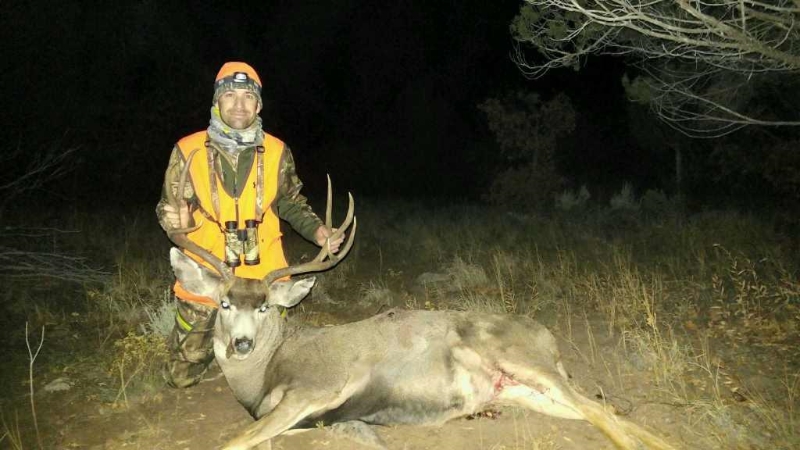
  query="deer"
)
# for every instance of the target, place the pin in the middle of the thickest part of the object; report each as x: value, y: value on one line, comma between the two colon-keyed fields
x: 397, y: 367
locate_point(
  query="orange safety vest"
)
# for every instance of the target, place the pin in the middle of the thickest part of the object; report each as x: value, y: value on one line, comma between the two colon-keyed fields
x: 254, y: 202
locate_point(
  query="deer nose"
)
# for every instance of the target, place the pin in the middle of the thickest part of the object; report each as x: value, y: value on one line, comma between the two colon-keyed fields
x: 243, y: 346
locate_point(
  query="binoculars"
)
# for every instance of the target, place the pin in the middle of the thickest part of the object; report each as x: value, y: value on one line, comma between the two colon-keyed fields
x: 241, y: 242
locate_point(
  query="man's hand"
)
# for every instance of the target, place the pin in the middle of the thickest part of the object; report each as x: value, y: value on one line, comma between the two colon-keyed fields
x: 323, y: 233
x: 178, y: 219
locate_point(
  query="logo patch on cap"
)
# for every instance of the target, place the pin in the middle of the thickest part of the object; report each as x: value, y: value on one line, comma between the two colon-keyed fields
x: 240, y: 77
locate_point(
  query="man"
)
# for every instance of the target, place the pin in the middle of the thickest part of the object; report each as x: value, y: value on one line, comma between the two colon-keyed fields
x: 241, y: 180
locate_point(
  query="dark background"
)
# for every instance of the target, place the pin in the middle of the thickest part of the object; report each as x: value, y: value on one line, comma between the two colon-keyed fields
x: 381, y: 95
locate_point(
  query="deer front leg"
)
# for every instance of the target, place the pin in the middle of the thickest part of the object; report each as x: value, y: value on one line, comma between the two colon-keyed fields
x: 291, y: 410
x: 295, y: 405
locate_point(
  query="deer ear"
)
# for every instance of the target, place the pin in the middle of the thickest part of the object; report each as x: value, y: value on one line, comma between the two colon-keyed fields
x: 289, y: 293
x: 194, y: 277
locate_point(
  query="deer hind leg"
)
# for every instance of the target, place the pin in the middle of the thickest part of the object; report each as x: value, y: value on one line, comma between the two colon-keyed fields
x: 548, y: 392
x: 625, y: 434
x: 538, y: 391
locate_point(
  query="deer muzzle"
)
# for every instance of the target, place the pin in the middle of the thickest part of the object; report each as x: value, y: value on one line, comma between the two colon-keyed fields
x: 243, y: 346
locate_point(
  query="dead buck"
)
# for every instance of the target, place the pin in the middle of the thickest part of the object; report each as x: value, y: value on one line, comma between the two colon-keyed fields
x: 399, y: 367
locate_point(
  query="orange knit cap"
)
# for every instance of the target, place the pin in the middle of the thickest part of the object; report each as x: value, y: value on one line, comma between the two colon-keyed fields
x: 237, y: 75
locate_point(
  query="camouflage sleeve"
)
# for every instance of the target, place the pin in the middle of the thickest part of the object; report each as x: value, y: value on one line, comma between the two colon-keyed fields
x: 171, y: 178
x: 292, y: 206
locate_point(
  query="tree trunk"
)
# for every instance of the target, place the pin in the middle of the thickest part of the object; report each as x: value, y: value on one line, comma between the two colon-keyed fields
x: 681, y: 202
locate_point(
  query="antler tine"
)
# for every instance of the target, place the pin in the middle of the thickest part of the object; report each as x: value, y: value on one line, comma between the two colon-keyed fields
x: 176, y: 202
x: 179, y: 237
x: 324, y: 259
x: 349, y: 218
x: 329, y: 205
x: 328, y: 221
x: 325, y: 251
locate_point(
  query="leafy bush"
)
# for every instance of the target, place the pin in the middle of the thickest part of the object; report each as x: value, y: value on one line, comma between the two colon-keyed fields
x: 138, y: 362
x: 656, y: 206
x: 625, y: 199
x: 526, y: 187
x: 569, y: 200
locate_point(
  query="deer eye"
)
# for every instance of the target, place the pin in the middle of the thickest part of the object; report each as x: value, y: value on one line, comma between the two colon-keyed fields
x: 224, y: 305
x: 263, y: 308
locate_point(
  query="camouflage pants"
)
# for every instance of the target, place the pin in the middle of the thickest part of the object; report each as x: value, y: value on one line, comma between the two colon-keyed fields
x: 190, y: 345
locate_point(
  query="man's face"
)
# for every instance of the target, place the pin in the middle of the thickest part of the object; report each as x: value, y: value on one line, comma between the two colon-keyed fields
x: 238, y: 108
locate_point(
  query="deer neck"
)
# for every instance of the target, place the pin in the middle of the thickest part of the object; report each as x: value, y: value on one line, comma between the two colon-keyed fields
x: 246, y: 377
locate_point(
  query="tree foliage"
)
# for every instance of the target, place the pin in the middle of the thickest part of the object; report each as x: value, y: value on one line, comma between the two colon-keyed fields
x: 700, y: 62
x: 756, y: 164
x: 527, y: 130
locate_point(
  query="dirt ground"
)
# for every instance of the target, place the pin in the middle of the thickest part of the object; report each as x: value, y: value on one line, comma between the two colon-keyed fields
x: 204, y: 417
x: 207, y: 415
x: 91, y: 415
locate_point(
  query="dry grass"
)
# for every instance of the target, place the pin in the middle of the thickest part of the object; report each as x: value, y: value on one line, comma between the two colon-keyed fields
x: 675, y: 301
x: 11, y: 435
x: 699, y: 320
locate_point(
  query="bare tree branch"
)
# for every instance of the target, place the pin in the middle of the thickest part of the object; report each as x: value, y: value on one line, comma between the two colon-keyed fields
x: 32, y: 253
x: 684, y: 46
x: 26, y: 170
x: 35, y: 265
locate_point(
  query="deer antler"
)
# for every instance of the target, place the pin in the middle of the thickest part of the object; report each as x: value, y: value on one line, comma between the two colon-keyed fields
x: 179, y: 237
x: 324, y: 259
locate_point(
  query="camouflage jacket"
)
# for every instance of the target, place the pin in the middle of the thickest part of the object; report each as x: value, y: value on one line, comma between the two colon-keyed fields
x: 289, y: 204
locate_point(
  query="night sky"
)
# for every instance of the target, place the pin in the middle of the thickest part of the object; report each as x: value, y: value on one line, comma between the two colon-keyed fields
x: 382, y: 95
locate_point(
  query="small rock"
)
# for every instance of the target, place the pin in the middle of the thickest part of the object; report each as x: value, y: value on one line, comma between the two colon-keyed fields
x: 58, y: 385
